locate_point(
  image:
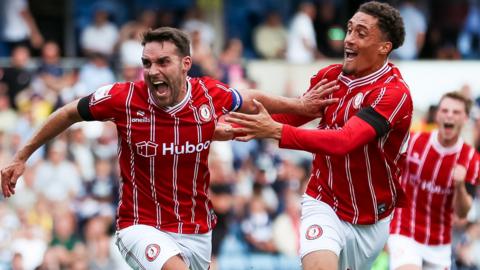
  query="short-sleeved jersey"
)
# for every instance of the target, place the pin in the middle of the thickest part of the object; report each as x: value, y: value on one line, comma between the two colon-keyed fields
x: 428, y: 183
x: 163, y: 152
x: 363, y: 185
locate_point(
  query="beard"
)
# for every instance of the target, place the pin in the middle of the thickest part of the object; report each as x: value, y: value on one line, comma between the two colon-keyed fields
x: 347, y: 71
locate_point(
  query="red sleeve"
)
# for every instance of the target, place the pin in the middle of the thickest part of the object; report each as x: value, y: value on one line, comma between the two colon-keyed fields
x: 291, y: 119
x: 356, y: 132
x: 393, y: 102
x: 101, y: 104
x: 225, y: 99
x: 472, y: 168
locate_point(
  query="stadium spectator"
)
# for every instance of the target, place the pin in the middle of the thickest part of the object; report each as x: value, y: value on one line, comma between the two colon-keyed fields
x: 96, y: 72
x: 167, y: 209
x: 19, y: 27
x: 469, y: 38
x: 257, y: 226
x: 358, y: 146
x: 329, y: 34
x: 194, y: 21
x: 286, y: 225
x: 204, y: 62
x: 231, y: 64
x: 440, y: 173
x: 465, y: 257
x: 57, y: 178
x: 50, y: 75
x: 415, y: 30
x: 18, y: 76
x: 8, y: 116
x: 270, y: 37
x: 101, y: 35
x: 50, y: 60
x: 301, y: 44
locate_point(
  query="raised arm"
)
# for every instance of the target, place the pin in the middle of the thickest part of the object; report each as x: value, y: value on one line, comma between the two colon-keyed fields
x: 54, y: 125
x: 462, y: 200
x: 311, y: 104
x: 356, y: 132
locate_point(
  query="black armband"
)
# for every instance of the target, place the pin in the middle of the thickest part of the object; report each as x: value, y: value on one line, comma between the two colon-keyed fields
x: 376, y: 120
x: 471, y: 189
x: 83, y: 108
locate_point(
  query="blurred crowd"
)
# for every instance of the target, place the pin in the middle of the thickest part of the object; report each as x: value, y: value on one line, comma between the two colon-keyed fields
x: 62, y: 216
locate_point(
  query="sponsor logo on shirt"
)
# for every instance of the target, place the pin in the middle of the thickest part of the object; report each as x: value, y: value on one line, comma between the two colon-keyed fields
x: 146, y: 149
x: 141, y: 120
x: 152, y: 251
x: 429, y: 186
x: 186, y: 148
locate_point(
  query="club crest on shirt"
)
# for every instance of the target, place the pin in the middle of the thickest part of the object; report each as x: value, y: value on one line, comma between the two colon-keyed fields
x: 357, y: 100
x: 152, y: 251
x: 313, y: 232
x: 205, y: 114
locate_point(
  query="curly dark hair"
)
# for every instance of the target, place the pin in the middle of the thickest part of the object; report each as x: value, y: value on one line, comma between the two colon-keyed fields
x: 389, y: 21
x: 176, y: 36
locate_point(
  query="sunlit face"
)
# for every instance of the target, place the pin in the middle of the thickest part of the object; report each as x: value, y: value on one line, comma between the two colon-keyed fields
x: 165, y: 72
x: 451, y: 116
x: 365, y: 49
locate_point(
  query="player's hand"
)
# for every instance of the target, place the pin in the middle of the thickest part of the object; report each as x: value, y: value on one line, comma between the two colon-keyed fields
x: 10, y: 176
x: 459, y: 174
x: 315, y: 100
x: 260, y: 125
x: 223, y: 132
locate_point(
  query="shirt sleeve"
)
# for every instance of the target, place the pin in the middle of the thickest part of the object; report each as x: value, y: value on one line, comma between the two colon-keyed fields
x: 226, y: 99
x: 291, y: 119
x: 391, y: 102
x: 376, y: 120
x: 100, y: 105
x: 354, y: 133
x: 473, y: 169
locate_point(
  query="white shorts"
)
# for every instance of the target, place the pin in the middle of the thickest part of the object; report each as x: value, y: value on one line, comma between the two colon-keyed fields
x: 405, y: 250
x: 357, y: 246
x: 145, y: 247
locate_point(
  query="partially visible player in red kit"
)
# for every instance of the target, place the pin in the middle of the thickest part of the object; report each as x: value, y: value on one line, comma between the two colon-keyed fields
x: 441, y: 171
x: 358, y: 146
x: 165, y: 125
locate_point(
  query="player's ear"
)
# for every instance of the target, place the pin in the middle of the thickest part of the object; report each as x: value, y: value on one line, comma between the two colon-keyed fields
x: 186, y: 63
x: 385, y: 47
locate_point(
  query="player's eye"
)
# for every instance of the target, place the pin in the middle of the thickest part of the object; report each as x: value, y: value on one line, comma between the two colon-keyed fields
x: 146, y: 63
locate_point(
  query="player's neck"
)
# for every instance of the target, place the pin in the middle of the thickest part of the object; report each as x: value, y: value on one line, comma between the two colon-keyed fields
x: 182, y: 93
x: 447, y: 142
x: 374, y: 68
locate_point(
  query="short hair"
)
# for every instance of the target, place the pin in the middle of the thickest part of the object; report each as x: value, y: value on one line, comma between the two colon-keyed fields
x: 170, y: 34
x: 390, y: 21
x: 460, y: 97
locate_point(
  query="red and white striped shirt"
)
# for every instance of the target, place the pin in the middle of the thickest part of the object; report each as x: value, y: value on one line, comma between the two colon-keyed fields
x: 363, y: 185
x: 428, y: 183
x: 163, y: 152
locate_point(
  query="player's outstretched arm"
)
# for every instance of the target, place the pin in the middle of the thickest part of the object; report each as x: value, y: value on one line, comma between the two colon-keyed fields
x: 355, y: 133
x: 54, y: 125
x: 310, y: 104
